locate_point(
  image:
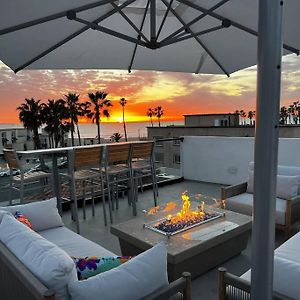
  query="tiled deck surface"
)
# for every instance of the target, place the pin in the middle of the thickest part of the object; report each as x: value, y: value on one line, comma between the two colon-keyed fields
x: 203, y: 287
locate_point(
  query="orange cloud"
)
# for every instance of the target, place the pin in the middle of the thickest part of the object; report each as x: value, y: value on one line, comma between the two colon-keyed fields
x: 177, y: 93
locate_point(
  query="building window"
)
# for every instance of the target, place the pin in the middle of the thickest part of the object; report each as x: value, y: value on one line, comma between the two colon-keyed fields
x: 159, y: 157
x: 4, y: 138
x: 13, y: 136
x: 176, y: 159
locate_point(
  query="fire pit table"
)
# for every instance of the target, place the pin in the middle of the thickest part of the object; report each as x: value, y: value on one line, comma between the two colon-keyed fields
x: 195, y: 248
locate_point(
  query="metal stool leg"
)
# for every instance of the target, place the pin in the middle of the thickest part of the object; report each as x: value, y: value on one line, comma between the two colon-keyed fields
x: 109, y: 197
x: 154, y: 185
x: 10, y: 191
x: 93, y: 198
x: 75, y: 205
x: 22, y: 192
x: 84, y: 199
x: 103, y: 199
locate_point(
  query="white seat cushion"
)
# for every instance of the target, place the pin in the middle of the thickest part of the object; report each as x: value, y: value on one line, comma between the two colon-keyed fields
x: 243, y: 204
x: 133, y: 280
x: 73, y: 243
x: 285, y: 277
x: 50, y: 264
x: 42, y: 214
x: 290, y: 249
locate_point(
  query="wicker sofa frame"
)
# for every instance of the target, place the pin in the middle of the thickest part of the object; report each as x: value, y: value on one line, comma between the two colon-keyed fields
x: 17, y: 282
x: 292, y: 206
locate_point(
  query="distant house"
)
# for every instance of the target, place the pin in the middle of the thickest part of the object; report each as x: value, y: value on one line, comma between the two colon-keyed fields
x: 15, y: 136
x: 212, y: 120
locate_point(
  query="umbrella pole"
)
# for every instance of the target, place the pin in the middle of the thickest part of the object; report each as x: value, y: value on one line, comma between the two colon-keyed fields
x: 266, y: 147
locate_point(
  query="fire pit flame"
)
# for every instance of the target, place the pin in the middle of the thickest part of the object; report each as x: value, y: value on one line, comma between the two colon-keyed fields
x: 184, y: 219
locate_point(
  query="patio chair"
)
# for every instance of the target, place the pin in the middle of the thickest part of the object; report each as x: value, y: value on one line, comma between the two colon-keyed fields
x: 143, y: 166
x: 24, y: 181
x: 239, y: 197
x: 85, y: 182
x: 117, y: 170
x: 232, y: 287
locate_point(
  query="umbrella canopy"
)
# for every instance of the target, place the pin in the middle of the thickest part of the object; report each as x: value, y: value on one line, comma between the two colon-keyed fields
x: 195, y: 36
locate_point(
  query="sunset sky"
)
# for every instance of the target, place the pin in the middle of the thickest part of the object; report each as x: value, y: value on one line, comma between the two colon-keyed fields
x: 177, y: 93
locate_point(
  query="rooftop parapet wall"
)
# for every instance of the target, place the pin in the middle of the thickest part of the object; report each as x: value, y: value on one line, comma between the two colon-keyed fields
x: 225, y: 160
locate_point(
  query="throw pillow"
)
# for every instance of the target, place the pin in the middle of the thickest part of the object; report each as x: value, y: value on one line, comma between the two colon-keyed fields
x: 90, y: 266
x: 23, y: 219
x: 139, y: 277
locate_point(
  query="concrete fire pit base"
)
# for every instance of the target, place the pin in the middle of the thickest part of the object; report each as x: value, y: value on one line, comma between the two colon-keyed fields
x: 195, y: 250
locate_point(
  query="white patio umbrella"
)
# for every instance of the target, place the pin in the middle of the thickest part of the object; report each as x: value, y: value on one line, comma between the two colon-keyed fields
x: 203, y: 36
x: 198, y: 36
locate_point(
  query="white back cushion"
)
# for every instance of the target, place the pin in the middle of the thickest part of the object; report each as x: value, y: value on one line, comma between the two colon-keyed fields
x: 287, y: 186
x: 132, y: 280
x: 42, y: 214
x: 282, y: 170
x: 51, y: 265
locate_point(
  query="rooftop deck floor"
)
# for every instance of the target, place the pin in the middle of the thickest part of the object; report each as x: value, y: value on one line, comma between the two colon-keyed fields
x: 203, y: 287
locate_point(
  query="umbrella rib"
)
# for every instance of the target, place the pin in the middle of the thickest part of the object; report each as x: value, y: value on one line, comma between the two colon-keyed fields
x: 183, y: 28
x: 197, y: 39
x: 130, y: 22
x: 141, y: 28
x: 70, y: 37
x: 164, y: 19
x: 53, y: 17
x: 233, y: 23
x: 110, y: 31
x: 192, y: 35
x: 153, y: 21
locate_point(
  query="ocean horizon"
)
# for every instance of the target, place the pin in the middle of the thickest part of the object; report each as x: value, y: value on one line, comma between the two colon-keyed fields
x: 134, y: 129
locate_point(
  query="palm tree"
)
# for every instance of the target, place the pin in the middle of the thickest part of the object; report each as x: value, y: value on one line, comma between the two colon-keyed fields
x: 116, y: 137
x: 159, y: 112
x: 296, y: 111
x: 290, y: 112
x: 31, y: 117
x: 150, y: 114
x: 251, y: 114
x: 100, y: 107
x: 73, y: 105
x: 56, y: 117
x: 243, y: 116
x: 123, y: 102
x: 237, y: 112
x: 283, y: 115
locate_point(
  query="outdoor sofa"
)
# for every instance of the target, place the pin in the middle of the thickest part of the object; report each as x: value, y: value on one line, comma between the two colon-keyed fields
x: 285, y: 279
x: 239, y: 197
x: 37, y: 264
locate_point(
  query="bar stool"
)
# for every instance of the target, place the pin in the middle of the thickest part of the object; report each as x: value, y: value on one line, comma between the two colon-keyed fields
x: 82, y: 177
x: 117, y: 169
x: 23, y: 180
x: 143, y: 166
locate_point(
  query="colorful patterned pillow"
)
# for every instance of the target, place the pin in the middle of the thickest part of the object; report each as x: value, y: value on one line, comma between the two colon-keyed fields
x: 89, y: 266
x: 23, y: 219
